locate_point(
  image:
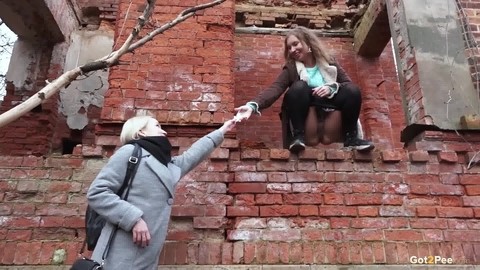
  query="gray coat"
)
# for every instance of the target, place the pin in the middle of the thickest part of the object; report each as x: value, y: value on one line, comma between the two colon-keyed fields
x: 150, y: 198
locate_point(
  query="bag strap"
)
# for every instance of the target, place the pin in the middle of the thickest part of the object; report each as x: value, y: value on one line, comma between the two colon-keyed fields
x: 133, y: 161
x: 132, y: 167
x: 132, y: 164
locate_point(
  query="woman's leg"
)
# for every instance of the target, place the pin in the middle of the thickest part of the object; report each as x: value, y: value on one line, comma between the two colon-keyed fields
x: 349, y: 101
x: 313, y: 129
x: 297, y: 100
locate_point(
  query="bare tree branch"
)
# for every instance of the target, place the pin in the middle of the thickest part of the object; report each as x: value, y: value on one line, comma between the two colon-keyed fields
x: 107, y: 61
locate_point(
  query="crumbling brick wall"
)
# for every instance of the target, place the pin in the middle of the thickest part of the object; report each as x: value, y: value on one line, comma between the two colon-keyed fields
x: 262, y: 206
x: 183, y: 78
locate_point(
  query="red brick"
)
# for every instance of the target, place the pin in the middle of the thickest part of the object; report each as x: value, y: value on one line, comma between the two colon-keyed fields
x: 451, y: 201
x: 447, y: 157
x: 210, y: 253
x: 367, y: 211
x: 250, y: 177
x: 369, y: 223
x: 238, y: 251
x: 277, y: 177
x: 455, y: 212
x: 392, y: 155
x: 11, y: 161
x: 471, y: 201
x: 449, y: 179
x: 250, y: 154
x: 274, y: 166
x: 446, y: 189
x: 335, y: 155
x: 305, y: 177
x: 281, y: 234
x: 32, y: 161
x: 419, y: 156
x: 462, y: 236
x: 312, y: 154
x: 280, y: 154
x: 312, y: 198
x: 267, y: 199
x: 472, y: 190
x: 363, y: 156
x: 308, y: 210
x: 220, y: 154
x: 215, y: 177
x: 337, y: 211
x: 242, y: 211
x: 469, y: 179
x: 247, y: 188
x: 426, y: 211
x: 188, y: 210
x: 332, y: 198
x: 279, y: 188
x: 19, y: 235
x: 209, y: 222
x: 363, y: 199
x: 278, y: 211
x: 64, y: 162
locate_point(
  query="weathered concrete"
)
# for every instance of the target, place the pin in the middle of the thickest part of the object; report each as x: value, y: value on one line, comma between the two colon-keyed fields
x: 446, y: 90
x: 23, y: 65
x: 85, y: 46
x: 373, y: 33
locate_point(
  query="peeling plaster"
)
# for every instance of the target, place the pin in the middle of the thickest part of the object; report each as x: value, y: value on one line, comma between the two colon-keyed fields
x: 87, y: 90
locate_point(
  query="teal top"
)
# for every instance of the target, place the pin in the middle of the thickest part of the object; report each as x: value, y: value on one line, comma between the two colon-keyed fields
x: 315, y: 78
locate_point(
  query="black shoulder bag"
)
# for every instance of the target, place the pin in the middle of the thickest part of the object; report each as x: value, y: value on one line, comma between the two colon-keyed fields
x: 94, y: 223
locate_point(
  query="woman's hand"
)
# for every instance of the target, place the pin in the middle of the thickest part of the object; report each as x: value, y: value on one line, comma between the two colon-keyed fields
x: 322, y: 91
x: 228, y: 126
x: 243, y: 112
x: 141, y: 235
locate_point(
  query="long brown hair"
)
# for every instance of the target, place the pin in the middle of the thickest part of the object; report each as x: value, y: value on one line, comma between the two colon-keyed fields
x: 311, y: 40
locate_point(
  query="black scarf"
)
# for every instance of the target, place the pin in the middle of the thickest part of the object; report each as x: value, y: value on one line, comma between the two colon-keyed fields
x: 158, y: 146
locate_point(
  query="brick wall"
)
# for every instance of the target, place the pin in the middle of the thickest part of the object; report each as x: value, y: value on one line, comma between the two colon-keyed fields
x: 108, y: 8
x: 259, y: 60
x: 183, y: 77
x: 263, y: 206
x: 31, y: 133
x: 38, y: 132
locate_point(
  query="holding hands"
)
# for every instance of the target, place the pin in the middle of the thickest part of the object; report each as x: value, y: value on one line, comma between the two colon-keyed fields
x: 243, y: 113
x: 228, y: 125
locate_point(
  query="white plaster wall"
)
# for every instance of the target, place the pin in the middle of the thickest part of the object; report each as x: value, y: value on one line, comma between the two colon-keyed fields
x: 86, y: 91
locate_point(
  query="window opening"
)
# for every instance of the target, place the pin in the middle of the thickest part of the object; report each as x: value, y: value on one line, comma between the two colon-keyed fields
x: 7, y: 39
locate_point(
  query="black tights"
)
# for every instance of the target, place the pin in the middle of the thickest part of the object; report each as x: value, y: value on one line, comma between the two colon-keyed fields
x: 299, y: 98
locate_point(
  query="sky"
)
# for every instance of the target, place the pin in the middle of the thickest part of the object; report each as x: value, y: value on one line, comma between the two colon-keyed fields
x: 5, y: 36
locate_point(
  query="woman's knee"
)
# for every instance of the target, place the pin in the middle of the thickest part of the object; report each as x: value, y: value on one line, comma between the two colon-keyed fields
x: 298, y: 89
x: 352, y: 89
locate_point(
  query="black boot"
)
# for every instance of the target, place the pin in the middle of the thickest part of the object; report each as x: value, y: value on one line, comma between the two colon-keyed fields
x: 298, y: 142
x: 352, y: 141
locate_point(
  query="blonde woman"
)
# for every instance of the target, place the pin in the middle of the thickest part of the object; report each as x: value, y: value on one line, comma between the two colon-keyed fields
x: 317, y: 87
x: 143, y: 219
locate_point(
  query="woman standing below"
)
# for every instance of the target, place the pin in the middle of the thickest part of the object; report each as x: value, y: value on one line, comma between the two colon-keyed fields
x: 316, y: 85
x: 143, y: 220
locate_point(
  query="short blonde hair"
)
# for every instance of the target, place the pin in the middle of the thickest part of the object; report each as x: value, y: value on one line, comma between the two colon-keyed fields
x: 131, y: 128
